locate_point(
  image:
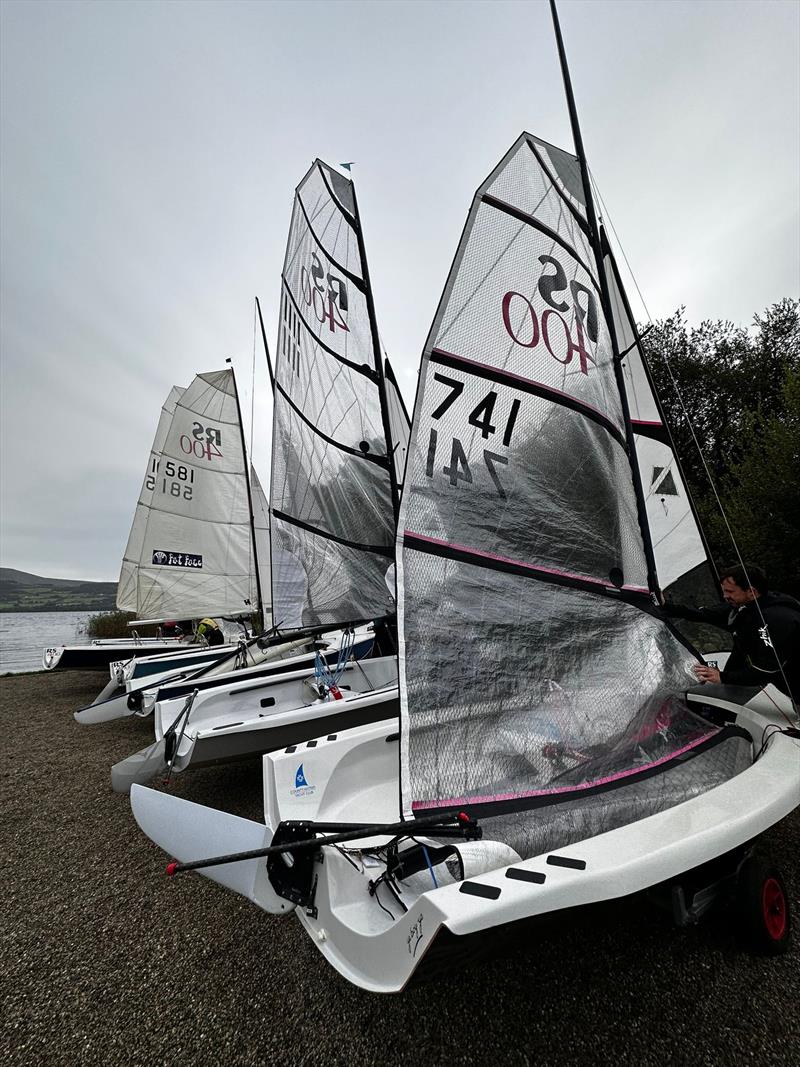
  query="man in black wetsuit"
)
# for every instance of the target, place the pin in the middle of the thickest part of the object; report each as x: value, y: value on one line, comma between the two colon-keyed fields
x: 765, y: 628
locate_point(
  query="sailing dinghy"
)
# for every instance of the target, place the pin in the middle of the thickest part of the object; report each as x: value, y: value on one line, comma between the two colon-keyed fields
x: 549, y: 757
x: 340, y: 432
x: 100, y: 653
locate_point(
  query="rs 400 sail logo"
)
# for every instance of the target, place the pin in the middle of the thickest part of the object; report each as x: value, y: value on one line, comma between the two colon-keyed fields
x: 177, y: 559
x: 326, y: 294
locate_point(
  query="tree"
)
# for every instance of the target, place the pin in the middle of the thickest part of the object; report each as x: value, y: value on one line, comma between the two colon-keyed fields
x: 734, y: 393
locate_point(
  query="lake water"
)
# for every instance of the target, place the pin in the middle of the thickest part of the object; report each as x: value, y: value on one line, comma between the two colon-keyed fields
x: 24, y: 634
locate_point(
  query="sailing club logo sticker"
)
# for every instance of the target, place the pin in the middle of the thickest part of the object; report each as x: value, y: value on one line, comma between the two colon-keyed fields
x: 301, y: 786
x: 177, y: 559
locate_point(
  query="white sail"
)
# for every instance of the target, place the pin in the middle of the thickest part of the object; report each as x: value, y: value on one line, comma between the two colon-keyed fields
x: 126, y: 589
x: 195, y: 553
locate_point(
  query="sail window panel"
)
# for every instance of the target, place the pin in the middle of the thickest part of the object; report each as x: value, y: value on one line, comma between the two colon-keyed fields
x: 339, y: 401
x: 523, y: 184
x: 566, y: 168
x: 333, y: 491
x: 318, y: 582
x: 514, y: 476
x: 517, y: 689
x: 332, y: 225
x: 520, y: 302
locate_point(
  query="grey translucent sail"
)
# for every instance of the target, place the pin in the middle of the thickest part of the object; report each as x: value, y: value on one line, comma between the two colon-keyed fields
x: 534, y: 667
x: 332, y: 518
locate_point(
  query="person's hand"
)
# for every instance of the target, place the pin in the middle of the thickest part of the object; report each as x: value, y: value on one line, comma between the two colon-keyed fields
x: 706, y: 674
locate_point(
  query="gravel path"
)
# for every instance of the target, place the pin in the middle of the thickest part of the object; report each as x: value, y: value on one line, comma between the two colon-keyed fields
x: 105, y: 961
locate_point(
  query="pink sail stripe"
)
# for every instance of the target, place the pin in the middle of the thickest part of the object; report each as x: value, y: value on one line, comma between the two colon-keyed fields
x: 421, y: 805
x: 646, y: 422
x: 518, y: 563
x: 524, y: 381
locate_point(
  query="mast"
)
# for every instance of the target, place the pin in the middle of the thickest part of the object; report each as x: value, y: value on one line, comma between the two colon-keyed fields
x: 594, y: 237
x: 266, y: 346
x: 378, y: 360
x: 260, y: 610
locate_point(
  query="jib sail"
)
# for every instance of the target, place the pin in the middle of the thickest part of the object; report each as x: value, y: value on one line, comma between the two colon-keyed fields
x: 190, y: 552
x: 534, y: 664
x: 685, y: 571
x: 333, y: 489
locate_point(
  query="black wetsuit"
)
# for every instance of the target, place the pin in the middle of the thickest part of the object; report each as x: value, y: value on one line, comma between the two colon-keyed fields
x: 760, y: 654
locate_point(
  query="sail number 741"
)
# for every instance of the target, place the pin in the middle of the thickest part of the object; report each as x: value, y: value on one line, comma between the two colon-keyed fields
x: 481, y: 416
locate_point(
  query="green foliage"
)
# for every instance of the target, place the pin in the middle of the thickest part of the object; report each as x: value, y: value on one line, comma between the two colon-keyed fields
x: 740, y: 390
x: 115, y: 624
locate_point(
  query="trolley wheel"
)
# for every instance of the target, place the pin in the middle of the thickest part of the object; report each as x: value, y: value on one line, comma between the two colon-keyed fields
x: 763, y: 908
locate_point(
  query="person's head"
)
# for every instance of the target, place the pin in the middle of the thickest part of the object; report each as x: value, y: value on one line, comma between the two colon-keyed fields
x: 741, y: 585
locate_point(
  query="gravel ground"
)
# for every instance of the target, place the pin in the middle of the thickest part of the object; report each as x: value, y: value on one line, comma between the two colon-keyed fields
x: 106, y: 961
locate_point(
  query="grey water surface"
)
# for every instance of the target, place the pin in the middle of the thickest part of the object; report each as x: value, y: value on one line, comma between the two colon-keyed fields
x: 24, y: 634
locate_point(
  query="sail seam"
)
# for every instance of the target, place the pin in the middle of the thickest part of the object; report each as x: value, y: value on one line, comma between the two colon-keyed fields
x: 354, y: 278
x: 381, y: 461
x: 529, y: 220
x: 379, y: 550
x: 491, y: 561
x: 528, y: 385
x: 362, y: 368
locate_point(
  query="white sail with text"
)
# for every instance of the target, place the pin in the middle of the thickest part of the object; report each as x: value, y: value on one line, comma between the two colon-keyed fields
x: 534, y: 667
x: 196, y: 555
x: 332, y: 517
x: 127, y: 599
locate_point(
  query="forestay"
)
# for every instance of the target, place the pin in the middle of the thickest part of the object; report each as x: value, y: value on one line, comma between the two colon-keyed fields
x: 192, y: 530
x: 332, y: 519
x: 534, y: 666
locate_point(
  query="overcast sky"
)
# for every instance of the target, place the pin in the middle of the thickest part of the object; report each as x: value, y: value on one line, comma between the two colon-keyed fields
x: 150, y: 152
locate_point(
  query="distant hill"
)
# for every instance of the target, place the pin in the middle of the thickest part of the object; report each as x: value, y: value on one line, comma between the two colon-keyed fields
x: 20, y: 591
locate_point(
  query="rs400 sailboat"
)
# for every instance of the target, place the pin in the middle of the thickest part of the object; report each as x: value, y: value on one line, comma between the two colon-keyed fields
x: 550, y: 752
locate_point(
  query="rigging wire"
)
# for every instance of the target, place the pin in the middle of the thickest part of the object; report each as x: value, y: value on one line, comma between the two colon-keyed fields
x: 673, y: 381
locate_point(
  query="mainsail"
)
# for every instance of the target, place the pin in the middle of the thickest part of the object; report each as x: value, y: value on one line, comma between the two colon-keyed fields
x: 534, y: 665
x: 334, y: 487
x: 190, y: 551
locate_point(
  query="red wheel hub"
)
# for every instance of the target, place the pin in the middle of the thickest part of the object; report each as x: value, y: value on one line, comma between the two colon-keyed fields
x: 773, y: 907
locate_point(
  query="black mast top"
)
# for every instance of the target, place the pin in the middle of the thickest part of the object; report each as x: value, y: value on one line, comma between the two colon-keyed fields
x: 594, y: 236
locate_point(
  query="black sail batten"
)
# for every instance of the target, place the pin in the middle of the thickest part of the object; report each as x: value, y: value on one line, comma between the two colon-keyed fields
x: 358, y: 282
x: 379, y: 550
x: 594, y: 237
x: 381, y: 461
x: 482, y: 809
x: 450, y: 359
x: 526, y: 570
x: 359, y: 368
x: 332, y: 514
x: 529, y: 220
